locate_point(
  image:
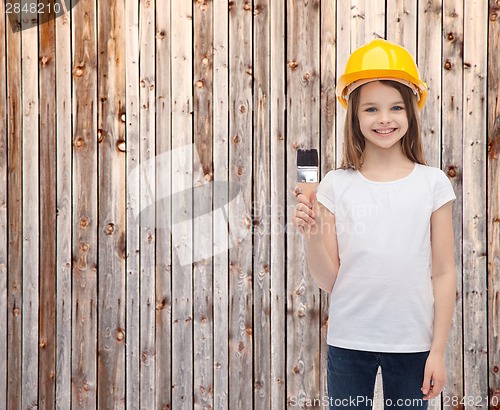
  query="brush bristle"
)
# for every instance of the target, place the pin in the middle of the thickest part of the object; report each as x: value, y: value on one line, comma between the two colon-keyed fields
x: 307, y: 158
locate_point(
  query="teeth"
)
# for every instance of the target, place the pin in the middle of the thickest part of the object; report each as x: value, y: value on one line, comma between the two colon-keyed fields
x: 388, y: 131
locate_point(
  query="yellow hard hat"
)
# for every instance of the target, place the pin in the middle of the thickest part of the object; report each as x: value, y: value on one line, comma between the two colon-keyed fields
x: 380, y: 60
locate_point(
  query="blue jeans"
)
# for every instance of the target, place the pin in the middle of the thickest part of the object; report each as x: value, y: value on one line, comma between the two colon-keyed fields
x: 352, y: 373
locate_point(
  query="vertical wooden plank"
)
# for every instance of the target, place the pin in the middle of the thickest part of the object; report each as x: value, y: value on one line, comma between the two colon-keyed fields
x: 328, y: 147
x: 261, y: 206
x: 429, y: 54
x: 132, y: 332
x: 48, y: 289
x: 452, y: 153
x: 343, y: 51
x: 147, y: 132
x: 493, y: 206
x: 303, y: 103
x: 163, y: 209
x: 111, y: 171
x: 402, y: 24
x: 202, y: 206
x: 240, y: 172
x: 14, y: 216
x: 221, y: 173
x: 3, y: 214
x: 31, y: 217
x: 474, y: 181
x: 358, y: 27
x: 84, y: 349
x: 375, y: 18
x: 64, y: 212
x: 182, y: 180
x: 278, y: 210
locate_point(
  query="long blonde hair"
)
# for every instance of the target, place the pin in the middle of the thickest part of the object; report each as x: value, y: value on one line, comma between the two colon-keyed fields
x: 354, y: 141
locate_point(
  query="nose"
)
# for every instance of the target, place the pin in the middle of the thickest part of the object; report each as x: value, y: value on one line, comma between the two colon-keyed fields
x: 384, y: 117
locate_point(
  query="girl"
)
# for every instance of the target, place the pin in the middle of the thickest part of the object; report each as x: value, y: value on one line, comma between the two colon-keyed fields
x: 379, y: 237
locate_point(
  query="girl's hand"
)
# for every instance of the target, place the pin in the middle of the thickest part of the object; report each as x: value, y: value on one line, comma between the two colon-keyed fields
x: 306, y: 215
x: 434, y: 376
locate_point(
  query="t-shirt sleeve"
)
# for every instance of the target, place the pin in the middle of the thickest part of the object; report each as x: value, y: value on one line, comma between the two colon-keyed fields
x: 443, y: 191
x: 325, y: 193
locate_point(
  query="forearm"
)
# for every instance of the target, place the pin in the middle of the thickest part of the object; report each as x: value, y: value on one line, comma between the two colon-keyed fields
x: 444, y: 304
x: 323, y: 270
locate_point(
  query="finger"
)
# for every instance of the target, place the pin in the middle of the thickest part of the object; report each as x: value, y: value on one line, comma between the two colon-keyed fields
x: 297, y: 191
x: 436, y: 388
x: 305, y: 209
x: 426, y: 385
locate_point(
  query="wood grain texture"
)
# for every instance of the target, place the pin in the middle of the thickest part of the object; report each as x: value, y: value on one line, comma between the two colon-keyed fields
x: 493, y: 206
x: 303, y: 122
x: 47, y: 191
x: 203, y: 203
x: 451, y: 163
x: 240, y: 223
x: 474, y: 199
x: 402, y: 24
x: 220, y: 147
x: 277, y: 105
x: 327, y: 149
x: 132, y: 331
x: 84, y: 244
x: 64, y: 212
x: 3, y: 215
x: 163, y: 210
x: 111, y: 229
x: 428, y: 58
x: 183, y: 172
x: 147, y: 237
x: 261, y: 206
x: 14, y: 216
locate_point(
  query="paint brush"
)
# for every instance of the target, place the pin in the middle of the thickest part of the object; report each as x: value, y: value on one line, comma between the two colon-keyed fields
x: 307, y: 171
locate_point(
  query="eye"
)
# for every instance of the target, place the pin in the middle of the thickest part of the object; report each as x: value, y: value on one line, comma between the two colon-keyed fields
x: 398, y: 108
x: 371, y: 109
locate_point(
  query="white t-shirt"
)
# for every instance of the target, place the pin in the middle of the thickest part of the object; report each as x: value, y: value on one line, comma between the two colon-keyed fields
x: 382, y: 299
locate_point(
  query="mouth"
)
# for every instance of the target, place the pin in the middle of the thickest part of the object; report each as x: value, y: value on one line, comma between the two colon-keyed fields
x: 385, y: 131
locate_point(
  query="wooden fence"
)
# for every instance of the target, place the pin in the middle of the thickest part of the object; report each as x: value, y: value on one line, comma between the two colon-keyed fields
x: 97, y: 307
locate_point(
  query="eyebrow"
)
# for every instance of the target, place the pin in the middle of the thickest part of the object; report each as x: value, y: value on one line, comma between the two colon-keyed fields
x: 370, y: 103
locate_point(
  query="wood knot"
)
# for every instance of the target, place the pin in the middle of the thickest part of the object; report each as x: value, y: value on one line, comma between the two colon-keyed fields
x: 205, y: 60
x: 236, y: 139
x: 110, y: 228
x: 452, y: 171
x: 121, y: 145
x: 120, y: 334
x: 79, y: 71
x: 307, y: 76
x: 257, y: 10
x: 447, y: 65
x: 493, y: 17
x: 249, y: 331
x: 242, y: 109
x: 160, y: 35
x: 100, y: 135
x: 293, y: 65
x: 79, y: 142
x: 85, y: 247
x: 247, y: 6
x: 496, y: 369
x: 84, y: 223
x: 43, y: 343
x: 199, y: 84
x: 44, y: 60
x: 123, y: 117
x: 241, y: 346
x: 15, y: 311
x: 450, y: 37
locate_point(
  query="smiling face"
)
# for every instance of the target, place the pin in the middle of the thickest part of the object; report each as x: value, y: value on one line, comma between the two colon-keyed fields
x: 382, y: 115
